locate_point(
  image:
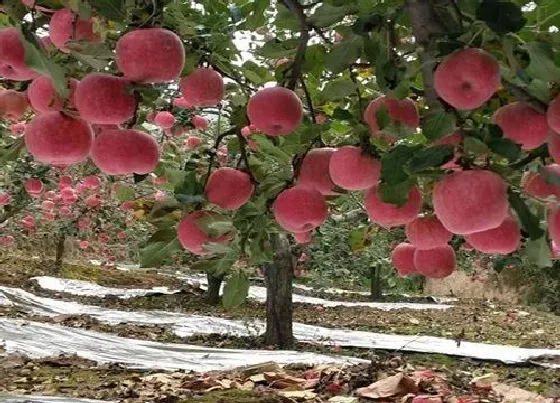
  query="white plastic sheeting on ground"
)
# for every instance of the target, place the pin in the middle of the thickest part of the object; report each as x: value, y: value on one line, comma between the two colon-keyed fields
x: 86, y: 288
x: 4, y: 301
x: 80, y: 287
x: 186, y: 325
x: 42, y: 339
x: 46, y: 399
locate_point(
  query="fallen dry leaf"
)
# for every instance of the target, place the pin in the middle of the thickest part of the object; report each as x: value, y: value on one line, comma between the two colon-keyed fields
x: 279, y: 380
x: 298, y: 394
x: 512, y: 394
x: 257, y: 378
x: 395, y: 385
x: 484, y: 382
x: 426, y: 399
x: 343, y: 399
x: 201, y: 384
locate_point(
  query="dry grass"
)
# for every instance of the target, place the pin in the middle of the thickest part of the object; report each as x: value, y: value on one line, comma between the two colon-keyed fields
x: 486, y: 286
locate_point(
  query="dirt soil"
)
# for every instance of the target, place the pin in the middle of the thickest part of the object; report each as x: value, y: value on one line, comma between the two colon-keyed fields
x: 16, y: 271
x: 446, y: 381
x: 451, y: 378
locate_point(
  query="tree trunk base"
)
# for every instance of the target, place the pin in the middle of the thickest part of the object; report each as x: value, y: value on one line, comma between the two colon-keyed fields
x: 279, y: 309
x: 213, y: 293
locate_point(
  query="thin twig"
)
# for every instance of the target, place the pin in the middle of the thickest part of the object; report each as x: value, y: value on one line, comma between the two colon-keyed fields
x: 297, y: 65
x: 213, y: 152
x: 321, y: 34
x: 457, y: 10
x: 309, y: 101
x: 244, y: 157
x: 358, y: 92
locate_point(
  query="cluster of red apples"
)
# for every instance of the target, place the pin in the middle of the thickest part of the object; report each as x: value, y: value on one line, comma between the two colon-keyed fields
x: 471, y: 203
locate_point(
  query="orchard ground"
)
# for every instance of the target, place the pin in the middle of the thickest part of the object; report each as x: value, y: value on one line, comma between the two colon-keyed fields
x: 476, y: 321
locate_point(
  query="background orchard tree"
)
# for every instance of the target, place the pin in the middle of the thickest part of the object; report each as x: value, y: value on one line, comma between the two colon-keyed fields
x: 440, y: 116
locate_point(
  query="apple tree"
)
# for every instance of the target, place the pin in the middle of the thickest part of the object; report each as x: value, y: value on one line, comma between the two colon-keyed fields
x: 441, y: 115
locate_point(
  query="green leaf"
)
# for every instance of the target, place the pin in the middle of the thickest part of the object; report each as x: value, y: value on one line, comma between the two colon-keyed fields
x: 217, y: 265
x: 501, y: 16
x: 37, y: 60
x: 505, y: 147
x: 236, y: 289
x: 11, y: 151
x: 396, y: 193
x: 529, y: 221
x: 124, y: 192
x: 189, y: 190
x: 504, y: 261
x: 217, y: 248
x: 274, y: 49
x: 542, y: 65
x: 367, y: 24
x: 266, y: 146
x: 382, y: 116
x: 538, y: 252
x: 327, y: 14
x: 156, y: 253
x: 175, y: 176
x: 359, y: 239
x: 110, y: 9
x: 343, y: 54
x: 215, y: 225
x: 437, y: 124
x: 474, y: 145
x: 339, y: 89
x: 15, y: 9
x: 430, y: 157
x: 80, y: 7
x: 257, y: 17
x: 163, y: 235
x: 255, y: 73
x: 394, y: 162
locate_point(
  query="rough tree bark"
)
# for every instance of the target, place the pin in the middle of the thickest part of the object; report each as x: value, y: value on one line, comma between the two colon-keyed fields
x: 59, y: 252
x: 375, y: 285
x: 426, y: 25
x: 214, y: 284
x: 278, y: 277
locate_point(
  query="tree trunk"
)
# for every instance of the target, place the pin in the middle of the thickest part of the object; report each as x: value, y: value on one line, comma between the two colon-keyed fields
x: 59, y: 252
x: 375, y: 283
x: 425, y: 26
x: 214, y: 284
x: 278, y: 277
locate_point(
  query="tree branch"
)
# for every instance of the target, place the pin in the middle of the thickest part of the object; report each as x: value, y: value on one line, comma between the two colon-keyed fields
x: 297, y: 65
x: 425, y: 25
x: 309, y: 101
x: 244, y: 157
x: 213, y: 152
